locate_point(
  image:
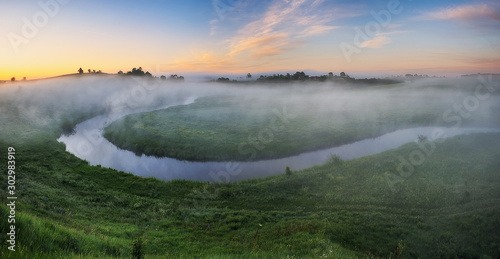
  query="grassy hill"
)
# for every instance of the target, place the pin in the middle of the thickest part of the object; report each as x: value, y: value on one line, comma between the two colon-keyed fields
x: 448, y: 208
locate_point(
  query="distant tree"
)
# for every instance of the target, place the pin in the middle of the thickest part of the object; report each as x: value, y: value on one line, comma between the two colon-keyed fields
x: 288, y: 171
x: 93, y: 71
x: 13, y: 79
x: 249, y: 75
x: 330, y: 75
x: 342, y: 74
x: 120, y: 72
x: 99, y: 72
x: 139, y: 72
x: 24, y: 78
x: 299, y: 76
x: 223, y: 79
x: 89, y: 71
x: 80, y: 71
x: 173, y: 77
x: 133, y: 72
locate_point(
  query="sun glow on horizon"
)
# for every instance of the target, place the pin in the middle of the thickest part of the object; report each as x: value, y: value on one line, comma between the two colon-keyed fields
x: 445, y: 38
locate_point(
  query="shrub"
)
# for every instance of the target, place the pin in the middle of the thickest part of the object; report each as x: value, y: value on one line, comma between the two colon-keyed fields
x: 137, y: 251
x: 335, y: 160
x: 422, y: 138
x: 68, y: 127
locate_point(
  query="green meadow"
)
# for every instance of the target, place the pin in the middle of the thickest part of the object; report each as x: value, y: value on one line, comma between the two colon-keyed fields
x: 256, y: 126
x: 226, y: 128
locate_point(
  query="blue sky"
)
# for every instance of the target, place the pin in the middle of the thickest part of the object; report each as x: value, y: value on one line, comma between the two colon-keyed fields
x: 238, y: 36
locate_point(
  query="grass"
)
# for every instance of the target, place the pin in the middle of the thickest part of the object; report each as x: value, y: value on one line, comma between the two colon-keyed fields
x: 233, y: 128
x: 67, y: 207
x: 448, y: 207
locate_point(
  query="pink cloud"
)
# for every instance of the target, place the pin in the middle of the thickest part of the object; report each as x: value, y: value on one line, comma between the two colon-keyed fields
x: 259, y: 45
x: 377, y: 42
x: 466, y: 13
x: 285, y: 25
x: 282, y: 26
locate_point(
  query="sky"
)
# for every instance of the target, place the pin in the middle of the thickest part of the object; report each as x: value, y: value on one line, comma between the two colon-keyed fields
x: 445, y: 38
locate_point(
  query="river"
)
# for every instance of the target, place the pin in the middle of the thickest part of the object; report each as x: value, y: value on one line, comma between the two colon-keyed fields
x: 89, y: 144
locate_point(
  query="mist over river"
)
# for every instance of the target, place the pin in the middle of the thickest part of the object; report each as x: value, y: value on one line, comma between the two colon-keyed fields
x: 89, y: 144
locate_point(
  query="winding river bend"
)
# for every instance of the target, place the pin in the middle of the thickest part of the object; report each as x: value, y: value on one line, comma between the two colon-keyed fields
x: 89, y: 144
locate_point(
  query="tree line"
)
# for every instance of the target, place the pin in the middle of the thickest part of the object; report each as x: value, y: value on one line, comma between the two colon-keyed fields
x: 137, y: 72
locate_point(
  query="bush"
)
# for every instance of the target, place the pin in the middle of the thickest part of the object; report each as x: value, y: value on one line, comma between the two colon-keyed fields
x: 422, y: 138
x: 335, y: 160
x: 137, y: 251
x: 288, y: 171
x: 67, y: 127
